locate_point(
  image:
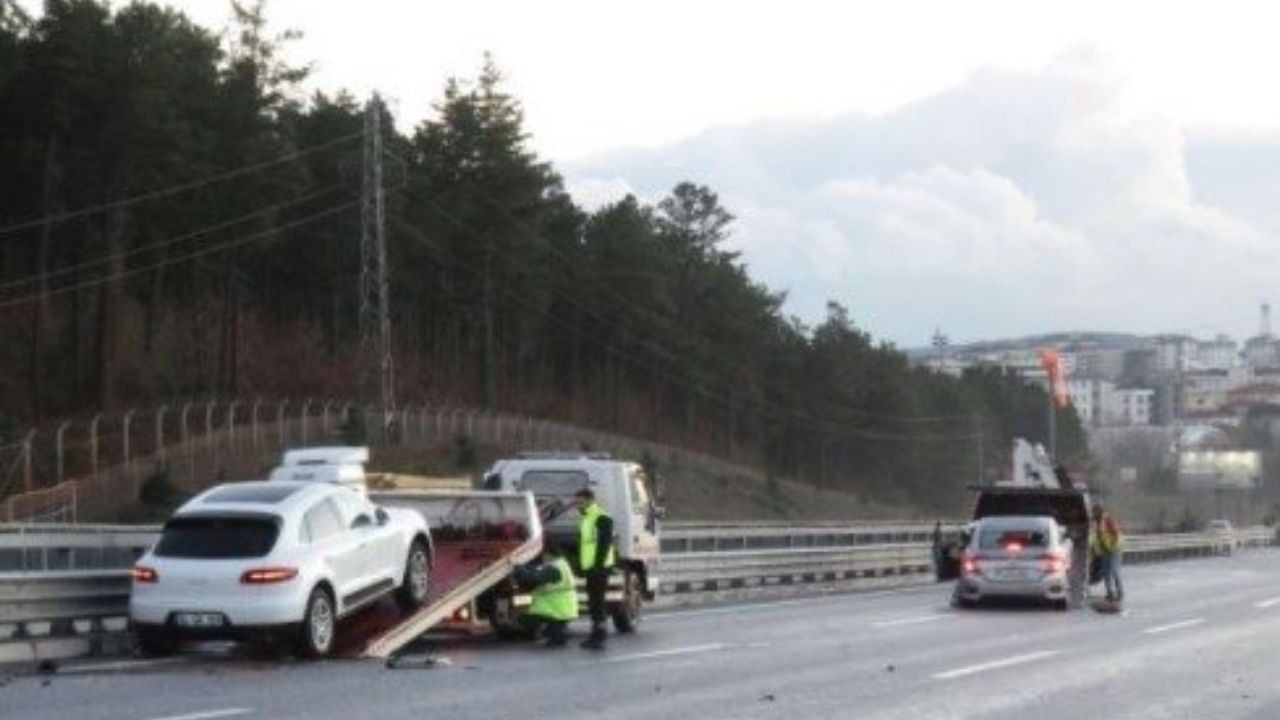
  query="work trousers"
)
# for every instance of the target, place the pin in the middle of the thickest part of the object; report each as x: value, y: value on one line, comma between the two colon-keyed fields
x: 597, y: 588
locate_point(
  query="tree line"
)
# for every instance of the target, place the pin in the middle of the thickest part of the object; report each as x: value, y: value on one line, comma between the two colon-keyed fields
x: 177, y: 220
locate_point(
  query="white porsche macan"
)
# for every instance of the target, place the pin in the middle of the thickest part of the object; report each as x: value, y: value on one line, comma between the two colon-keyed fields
x: 276, y: 559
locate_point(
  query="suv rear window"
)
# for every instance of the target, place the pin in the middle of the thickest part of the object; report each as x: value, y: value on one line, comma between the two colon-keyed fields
x: 221, y: 538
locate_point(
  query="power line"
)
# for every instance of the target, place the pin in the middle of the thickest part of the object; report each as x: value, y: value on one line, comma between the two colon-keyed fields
x: 170, y: 242
x: 33, y: 297
x: 175, y: 189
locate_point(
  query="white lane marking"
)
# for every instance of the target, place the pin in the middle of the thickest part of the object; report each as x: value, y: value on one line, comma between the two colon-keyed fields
x: 120, y: 665
x: 690, y: 650
x: 208, y: 714
x: 1264, y: 604
x: 907, y: 621
x: 995, y: 664
x: 748, y: 607
x: 1173, y: 626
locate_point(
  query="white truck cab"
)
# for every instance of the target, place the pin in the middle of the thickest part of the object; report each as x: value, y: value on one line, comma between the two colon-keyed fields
x: 623, y: 491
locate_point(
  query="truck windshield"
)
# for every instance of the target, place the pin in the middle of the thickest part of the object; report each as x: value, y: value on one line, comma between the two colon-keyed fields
x: 553, y: 483
x: 221, y: 538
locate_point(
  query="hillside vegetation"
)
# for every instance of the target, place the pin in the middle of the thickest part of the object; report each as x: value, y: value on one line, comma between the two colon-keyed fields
x: 176, y: 221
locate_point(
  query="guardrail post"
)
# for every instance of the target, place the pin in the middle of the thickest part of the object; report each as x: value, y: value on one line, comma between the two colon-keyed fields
x: 60, y: 448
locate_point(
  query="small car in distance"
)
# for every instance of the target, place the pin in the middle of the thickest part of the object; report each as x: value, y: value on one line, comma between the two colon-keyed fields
x: 1014, y: 556
x: 1225, y: 535
x: 275, y: 559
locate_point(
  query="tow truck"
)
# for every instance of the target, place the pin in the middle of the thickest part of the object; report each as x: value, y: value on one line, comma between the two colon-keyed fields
x: 1037, y: 487
x: 479, y: 537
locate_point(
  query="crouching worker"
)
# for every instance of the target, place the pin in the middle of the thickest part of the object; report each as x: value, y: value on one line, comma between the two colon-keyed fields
x: 555, y: 595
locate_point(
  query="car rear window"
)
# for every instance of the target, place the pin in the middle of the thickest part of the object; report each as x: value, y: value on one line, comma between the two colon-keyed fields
x: 222, y: 538
x: 1003, y: 538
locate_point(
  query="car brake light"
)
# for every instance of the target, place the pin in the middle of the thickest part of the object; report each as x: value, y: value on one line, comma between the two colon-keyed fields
x: 268, y: 575
x: 1014, y: 547
x: 144, y: 574
x: 969, y: 565
x: 1055, y: 563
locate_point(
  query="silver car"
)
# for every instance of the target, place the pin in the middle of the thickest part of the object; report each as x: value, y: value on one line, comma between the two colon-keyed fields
x: 1025, y: 556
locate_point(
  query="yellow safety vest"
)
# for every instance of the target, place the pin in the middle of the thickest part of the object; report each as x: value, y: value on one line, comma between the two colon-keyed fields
x: 557, y: 600
x: 587, y: 540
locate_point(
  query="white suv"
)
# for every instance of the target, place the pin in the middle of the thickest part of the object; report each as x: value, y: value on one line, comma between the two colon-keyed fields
x: 273, y: 558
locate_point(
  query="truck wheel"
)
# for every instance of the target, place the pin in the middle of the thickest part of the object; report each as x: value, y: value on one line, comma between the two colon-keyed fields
x: 319, y: 625
x: 626, y: 615
x: 155, y: 642
x: 416, y: 584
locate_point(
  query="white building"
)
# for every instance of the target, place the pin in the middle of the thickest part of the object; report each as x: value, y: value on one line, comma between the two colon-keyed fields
x: 1262, y: 351
x: 1135, y: 405
x: 1174, y: 353
x: 1220, y: 353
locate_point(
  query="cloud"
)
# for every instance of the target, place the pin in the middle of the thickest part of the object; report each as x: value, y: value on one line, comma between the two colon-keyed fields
x: 1012, y: 203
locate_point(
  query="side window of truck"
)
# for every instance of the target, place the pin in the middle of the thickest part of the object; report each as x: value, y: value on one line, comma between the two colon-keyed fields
x: 639, y: 493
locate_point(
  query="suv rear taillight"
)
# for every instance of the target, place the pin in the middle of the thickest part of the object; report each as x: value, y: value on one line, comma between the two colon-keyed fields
x: 268, y: 575
x: 144, y: 574
x: 969, y: 564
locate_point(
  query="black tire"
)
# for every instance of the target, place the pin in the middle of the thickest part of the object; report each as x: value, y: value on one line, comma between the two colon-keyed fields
x: 154, y: 642
x: 319, y: 625
x: 626, y: 615
x: 1061, y: 605
x: 415, y: 586
x: 962, y: 603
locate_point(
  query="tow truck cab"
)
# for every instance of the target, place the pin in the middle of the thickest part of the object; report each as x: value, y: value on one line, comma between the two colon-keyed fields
x: 623, y: 490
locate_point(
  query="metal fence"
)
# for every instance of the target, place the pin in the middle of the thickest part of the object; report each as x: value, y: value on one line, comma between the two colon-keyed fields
x: 89, y: 469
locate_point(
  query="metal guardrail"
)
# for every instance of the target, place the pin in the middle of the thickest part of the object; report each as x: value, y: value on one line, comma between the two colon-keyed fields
x: 58, y: 547
x: 75, y: 582
x: 720, y: 537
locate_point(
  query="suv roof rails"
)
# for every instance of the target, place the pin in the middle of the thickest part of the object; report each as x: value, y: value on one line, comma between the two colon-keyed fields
x: 562, y: 455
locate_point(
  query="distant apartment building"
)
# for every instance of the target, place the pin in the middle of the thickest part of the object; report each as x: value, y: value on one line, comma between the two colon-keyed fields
x: 1262, y: 352
x: 1097, y: 363
x: 1220, y: 353
x: 1135, y: 405
x: 1174, y: 353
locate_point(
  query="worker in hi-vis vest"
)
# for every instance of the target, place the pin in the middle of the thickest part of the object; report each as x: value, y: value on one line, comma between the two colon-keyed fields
x: 596, y: 558
x: 555, y: 595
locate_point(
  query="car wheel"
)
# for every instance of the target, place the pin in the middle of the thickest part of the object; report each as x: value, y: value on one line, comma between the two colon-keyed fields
x: 416, y: 584
x: 959, y: 601
x: 626, y: 615
x: 319, y: 625
x: 1060, y: 605
x: 155, y: 642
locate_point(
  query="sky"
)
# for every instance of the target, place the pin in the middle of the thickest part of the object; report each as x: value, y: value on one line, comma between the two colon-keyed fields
x: 987, y: 168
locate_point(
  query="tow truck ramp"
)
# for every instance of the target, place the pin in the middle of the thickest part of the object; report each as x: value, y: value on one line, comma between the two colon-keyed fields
x: 478, y: 538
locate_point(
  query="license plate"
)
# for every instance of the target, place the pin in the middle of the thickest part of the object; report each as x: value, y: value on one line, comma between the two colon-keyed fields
x: 200, y: 620
x: 1013, y: 574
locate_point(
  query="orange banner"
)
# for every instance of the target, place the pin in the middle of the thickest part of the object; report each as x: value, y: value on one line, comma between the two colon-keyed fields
x: 1057, y: 372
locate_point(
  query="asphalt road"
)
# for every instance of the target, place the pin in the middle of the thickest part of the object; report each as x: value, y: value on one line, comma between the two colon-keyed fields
x: 1198, y: 640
